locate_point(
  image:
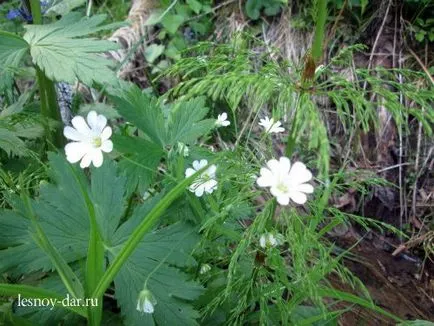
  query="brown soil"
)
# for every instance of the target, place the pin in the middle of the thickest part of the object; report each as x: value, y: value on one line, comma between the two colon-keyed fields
x: 402, y: 284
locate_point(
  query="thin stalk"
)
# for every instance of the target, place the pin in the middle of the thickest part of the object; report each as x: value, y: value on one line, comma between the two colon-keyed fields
x: 143, y: 228
x: 321, y: 15
x: 292, y: 137
x: 35, y: 8
x: 47, y: 91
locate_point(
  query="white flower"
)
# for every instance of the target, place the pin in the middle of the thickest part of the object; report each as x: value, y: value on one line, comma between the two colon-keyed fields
x: 267, y: 240
x: 270, y: 126
x: 146, y: 302
x: 286, y: 182
x: 205, y: 268
x: 206, y: 182
x: 89, y: 140
x: 222, y: 120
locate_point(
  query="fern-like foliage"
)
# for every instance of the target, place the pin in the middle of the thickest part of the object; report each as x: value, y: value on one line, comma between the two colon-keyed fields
x: 234, y: 74
x: 17, y: 127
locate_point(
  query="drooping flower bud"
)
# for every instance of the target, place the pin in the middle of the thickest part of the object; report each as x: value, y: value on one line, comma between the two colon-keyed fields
x: 146, y: 301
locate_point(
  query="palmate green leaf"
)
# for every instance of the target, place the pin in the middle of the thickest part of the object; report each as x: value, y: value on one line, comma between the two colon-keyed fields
x: 184, y: 123
x: 64, y: 218
x: 142, y: 110
x: 13, y: 48
x: 56, y: 49
x: 139, y: 162
x: 63, y: 7
x: 171, y: 288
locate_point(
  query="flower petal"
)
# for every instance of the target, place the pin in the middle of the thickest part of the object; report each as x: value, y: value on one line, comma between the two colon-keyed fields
x: 75, y: 151
x: 196, y: 165
x: 101, y: 123
x: 298, y: 197
x: 299, y: 173
x: 306, y: 188
x: 283, y: 200
x: 266, y: 179
x: 80, y: 124
x: 199, y: 191
x: 92, y: 119
x: 274, y: 166
x: 73, y: 134
x: 210, y: 186
x: 285, y: 165
x: 107, y: 146
x: 85, y: 162
x: 148, y: 307
x: 202, y: 164
x: 211, y: 170
x: 106, y: 133
x: 189, y: 172
x: 97, y: 158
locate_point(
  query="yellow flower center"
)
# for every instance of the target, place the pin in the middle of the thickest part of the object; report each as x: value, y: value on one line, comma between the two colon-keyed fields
x: 282, y: 187
x: 97, y: 142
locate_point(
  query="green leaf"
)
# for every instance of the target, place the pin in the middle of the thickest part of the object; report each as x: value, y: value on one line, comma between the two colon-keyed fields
x: 172, y: 290
x: 142, y: 110
x: 139, y: 161
x: 185, y: 122
x: 64, y: 7
x: 74, y: 58
x: 154, y: 18
x: 195, y: 5
x: 172, y: 22
x: 12, y: 50
x: 253, y: 8
x: 101, y: 108
x: 153, y: 51
x: 420, y: 36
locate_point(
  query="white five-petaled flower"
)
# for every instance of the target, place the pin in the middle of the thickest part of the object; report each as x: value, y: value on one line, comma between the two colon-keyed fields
x: 206, y: 181
x: 286, y: 182
x: 270, y: 126
x: 222, y: 120
x: 268, y: 240
x: 146, y: 302
x: 89, y: 140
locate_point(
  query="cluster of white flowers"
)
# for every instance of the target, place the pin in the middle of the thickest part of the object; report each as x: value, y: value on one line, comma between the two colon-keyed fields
x: 89, y: 140
x: 285, y: 181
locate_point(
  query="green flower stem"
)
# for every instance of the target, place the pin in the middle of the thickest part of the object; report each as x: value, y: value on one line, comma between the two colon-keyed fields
x: 27, y: 291
x: 292, y: 136
x: 321, y: 15
x: 95, y: 257
x: 47, y: 91
x: 143, y: 228
x: 35, y: 7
